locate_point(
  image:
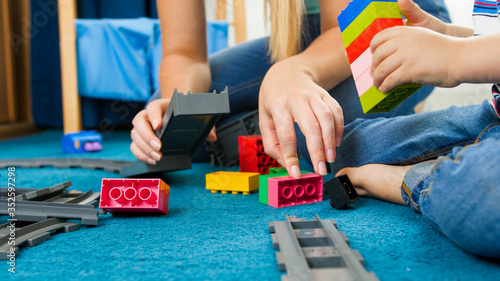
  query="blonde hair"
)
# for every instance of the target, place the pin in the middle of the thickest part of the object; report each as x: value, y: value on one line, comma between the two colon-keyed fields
x: 287, y: 17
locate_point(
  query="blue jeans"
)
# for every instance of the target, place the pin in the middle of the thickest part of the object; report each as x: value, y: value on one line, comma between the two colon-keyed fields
x: 459, y: 193
x: 242, y: 68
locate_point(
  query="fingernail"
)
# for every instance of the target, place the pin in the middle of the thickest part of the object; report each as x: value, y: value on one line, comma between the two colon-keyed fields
x: 155, y: 156
x: 280, y: 162
x: 330, y: 155
x: 295, y: 172
x: 151, y: 161
x: 338, y: 140
x: 322, y: 168
x: 155, y: 145
x: 155, y: 124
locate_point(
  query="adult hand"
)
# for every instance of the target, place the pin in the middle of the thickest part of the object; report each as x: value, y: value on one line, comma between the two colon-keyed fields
x: 288, y: 95
x: 415, y: 16
x: 145, y: 144
x: 404, y: 54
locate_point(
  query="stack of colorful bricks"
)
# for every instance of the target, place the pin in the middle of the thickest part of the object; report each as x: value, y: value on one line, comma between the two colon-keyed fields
x: 252, y: 155
x: 359, y: 23
x: 278, y: 189
x: 134, y: 195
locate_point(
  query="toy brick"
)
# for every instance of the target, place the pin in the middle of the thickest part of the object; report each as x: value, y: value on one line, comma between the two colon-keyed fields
x: 341, y: 191
x: 224, y: 152
x: 252, y: 155
x: 185, y: 126
x: 263, y: 182
x: 81, y: 142
x: 353, y: 10
x: 364, y: 82
x: 234, y: 182
x: 362, y: 42
x: 134, y: 195
x: 286, y: 191
x: 375, y: 101
x: 362, y: 64
x: 366, y: 17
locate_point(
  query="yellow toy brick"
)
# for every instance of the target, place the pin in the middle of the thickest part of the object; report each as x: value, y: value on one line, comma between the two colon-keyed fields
x: 234, y: 182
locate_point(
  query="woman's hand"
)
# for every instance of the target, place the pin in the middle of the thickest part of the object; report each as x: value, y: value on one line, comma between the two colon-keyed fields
x: 145, y: 144
x: 288, y: 95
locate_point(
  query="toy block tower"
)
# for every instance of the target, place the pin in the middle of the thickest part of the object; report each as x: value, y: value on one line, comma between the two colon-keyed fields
x: 252, y: 155
x: 359, y: 22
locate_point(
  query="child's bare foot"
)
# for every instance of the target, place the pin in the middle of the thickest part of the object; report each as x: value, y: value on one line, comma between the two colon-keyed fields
x: 378, y: 181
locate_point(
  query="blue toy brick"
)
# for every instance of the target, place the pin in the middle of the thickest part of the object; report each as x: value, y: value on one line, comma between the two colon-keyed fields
x: 82, y: 142
x: 353, y: 10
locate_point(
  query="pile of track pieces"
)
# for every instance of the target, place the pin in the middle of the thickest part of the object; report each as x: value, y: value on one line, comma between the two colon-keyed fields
x: 316, y: 250
x: 35, y: 213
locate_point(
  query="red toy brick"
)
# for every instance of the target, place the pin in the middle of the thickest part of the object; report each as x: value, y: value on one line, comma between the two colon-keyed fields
x: 252, y: 155
x: 362, y: 42
x: 286, y: 191
x: 134, y: 195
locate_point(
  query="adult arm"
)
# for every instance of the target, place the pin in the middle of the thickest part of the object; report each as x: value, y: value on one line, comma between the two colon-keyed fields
x: 295, y: 91
x: 184, y: 66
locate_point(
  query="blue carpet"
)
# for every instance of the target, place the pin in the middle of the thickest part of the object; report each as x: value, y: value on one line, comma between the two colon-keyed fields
x: 209, y: 236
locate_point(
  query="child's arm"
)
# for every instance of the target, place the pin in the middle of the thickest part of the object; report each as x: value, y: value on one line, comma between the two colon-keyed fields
x: 432, y: 52
x: 412, y: 54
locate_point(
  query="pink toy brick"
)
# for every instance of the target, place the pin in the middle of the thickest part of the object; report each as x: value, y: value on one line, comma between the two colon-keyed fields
x: 286, y: 191
x: 364, y: 82
x: 134, y: 195
x: 362, y: 64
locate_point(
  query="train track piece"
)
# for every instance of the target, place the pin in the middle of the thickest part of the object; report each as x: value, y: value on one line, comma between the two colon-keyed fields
x: 38, y: 211
x: 32, y: 234
x: 112, y: 166
x: 315, y: 250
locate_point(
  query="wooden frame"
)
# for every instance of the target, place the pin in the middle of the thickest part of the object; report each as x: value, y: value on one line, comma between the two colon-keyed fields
x: 15, y: 67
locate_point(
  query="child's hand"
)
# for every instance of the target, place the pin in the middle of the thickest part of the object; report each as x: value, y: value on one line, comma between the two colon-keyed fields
x: 415, y: 16
x: 404, y: 54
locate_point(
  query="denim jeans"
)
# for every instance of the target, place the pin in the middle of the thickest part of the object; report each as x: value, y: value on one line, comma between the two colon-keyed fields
x: 242, y: 68
x: 459, y: 193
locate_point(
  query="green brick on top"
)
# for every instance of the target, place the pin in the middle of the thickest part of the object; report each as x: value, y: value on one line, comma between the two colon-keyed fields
x: 375, y: 101
x: 374, y: 11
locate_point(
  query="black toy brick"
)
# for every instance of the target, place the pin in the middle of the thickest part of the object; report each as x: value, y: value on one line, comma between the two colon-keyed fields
x: 341, y: 191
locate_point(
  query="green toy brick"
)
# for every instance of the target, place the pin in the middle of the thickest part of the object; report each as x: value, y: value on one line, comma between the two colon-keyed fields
x: 374, y: 11
x: 375, y: 101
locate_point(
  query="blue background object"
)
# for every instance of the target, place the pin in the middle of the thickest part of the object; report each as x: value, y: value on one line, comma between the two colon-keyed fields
x: 217, y: 236
x: 107, y: 100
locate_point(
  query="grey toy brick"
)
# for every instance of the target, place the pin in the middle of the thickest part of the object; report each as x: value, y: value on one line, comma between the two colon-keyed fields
x: 185, y: 126
x: 224, y: 152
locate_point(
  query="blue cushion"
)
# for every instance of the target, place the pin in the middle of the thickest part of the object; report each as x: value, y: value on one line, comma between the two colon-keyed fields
x: 120, y: 58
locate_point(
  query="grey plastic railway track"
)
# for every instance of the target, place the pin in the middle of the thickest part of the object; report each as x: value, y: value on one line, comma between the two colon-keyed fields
x: 33, y: 234
x: 38, y: 211
x: 316, y: 250
x: 112, y: 166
